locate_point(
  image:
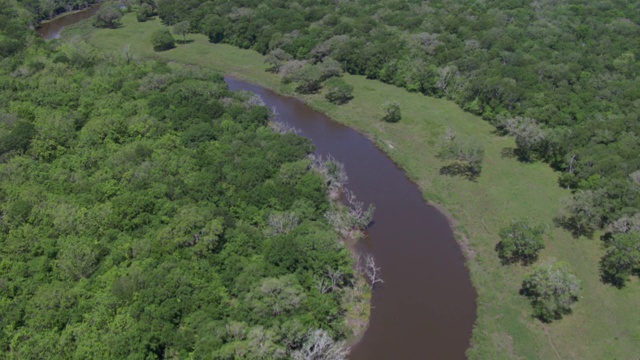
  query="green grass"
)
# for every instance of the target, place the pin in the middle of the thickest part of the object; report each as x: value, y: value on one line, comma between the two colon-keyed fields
x: 606, y: 321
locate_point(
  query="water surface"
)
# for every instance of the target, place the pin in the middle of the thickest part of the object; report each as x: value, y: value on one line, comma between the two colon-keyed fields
x: 426, y: 307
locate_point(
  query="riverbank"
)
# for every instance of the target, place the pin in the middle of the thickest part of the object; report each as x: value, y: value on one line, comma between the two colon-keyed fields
x: 604, y: 324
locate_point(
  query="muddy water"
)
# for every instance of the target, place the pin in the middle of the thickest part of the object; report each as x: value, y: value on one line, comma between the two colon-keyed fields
x: 426, y: 307
x: 51, y: 29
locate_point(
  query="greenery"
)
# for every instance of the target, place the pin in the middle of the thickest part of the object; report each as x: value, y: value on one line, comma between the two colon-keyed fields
x: 144, y: 12
x: 520, y: 242
x: 338, y: 91
x: 552, y: 289
x: 135, y: 217
x: 467, y: 154
x: 559, y: 76
x: 392, y: 112
x: 108, y: 16
x: 182, y: 29
x: 507, y: 189
x: 622, y: 258
x: 162, y: 40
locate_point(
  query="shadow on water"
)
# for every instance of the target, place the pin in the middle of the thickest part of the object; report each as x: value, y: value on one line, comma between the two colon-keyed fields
x: 425, y: 309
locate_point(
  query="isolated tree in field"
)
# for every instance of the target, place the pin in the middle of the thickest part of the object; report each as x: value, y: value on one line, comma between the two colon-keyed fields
x: 144, y: 12
x: 182, y: 29
x: 468, y: 155
x: 108, y: 16
x: 308, y: 79
x: 392, y: 112
x: 622, y: 258
x: 162, y: 40
x: 520, y: 242
x: 338, y: 91
x: 552, y: 289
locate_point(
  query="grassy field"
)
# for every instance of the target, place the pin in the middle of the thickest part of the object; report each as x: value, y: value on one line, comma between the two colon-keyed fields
x: 606, y: 321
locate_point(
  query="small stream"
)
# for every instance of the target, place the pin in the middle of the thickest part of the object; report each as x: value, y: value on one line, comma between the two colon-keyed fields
x: 425, y: 309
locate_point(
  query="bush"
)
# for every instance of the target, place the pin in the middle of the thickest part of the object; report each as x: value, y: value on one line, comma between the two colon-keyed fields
x: 392, y: 110
x: 552, y: 289
x: 162, y: 40
x: 108, y: 16
x: 144, y: 12
x: 521, y: 241
x: 338, y: 91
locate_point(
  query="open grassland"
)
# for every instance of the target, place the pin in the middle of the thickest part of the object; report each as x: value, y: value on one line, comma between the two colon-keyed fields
x: 606, y: 321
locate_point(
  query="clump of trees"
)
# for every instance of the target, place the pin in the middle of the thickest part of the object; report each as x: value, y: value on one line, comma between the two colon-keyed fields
x: 468, y: 155
x: 520, y: 242
x: 108, y: 16
x: 553, y: 291
x: 162, y: 40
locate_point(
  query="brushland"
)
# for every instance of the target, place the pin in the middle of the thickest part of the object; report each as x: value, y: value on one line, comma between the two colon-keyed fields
x: 604, y: 324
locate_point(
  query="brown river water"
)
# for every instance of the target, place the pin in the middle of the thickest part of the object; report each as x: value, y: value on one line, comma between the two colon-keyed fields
x: 426, y: 307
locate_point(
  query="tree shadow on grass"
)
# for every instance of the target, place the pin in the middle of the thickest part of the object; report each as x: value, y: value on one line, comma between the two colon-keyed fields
x: 189, y: 41
x: 459, y: 169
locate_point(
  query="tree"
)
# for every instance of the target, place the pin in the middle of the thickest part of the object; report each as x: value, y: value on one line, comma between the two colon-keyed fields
x: 621, y: 259
x: 583, y: 212
x: 108, y: 16
x: 552, y: 289
x: 144, y: 12
x: 162, y: 40
x: 369, y: 268
x: 338, y: 91
x: 320, y: 346
x: 468, y: 155
x: 530, y: 137
x: 276, y: 58
x: 520, y: 241
x: 392, y: 112
x: 308, y: 79
x: 182, y: 29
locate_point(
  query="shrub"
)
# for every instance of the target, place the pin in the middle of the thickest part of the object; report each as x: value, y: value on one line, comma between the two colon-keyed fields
x: 338, y: 91
x: 162, y: 40
x: 392, y: 112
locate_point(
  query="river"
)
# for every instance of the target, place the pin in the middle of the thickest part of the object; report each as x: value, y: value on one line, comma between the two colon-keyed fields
x: 425, y: 309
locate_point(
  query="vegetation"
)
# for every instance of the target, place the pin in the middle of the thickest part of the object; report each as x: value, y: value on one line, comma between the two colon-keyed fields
x: 559, y: 76
x: 468, y: 155
x: 392, y: 112
x: 144, y: 12
x: 622, y: 258
x: 552, y: 289
x: 520, y: 242
x: 108, y: 16
x: 162, y: 40
x: 137, y: 209
x: 507, y: 189
x: 338, y: 91
x: 182, y: 29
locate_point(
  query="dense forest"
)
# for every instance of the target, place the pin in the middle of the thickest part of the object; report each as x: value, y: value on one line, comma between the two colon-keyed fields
x: 561, y: 76
x: 146, y: 211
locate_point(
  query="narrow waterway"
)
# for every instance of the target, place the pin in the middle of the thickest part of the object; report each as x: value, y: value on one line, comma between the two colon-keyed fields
x: 425, y: 308
x: 51, y: 29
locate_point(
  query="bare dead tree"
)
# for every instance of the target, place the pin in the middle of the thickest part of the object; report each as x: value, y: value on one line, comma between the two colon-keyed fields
x: 335, y: 276
x: 361, y: 217
x: 367, y: 265
x: 280, y: 223
x: 333, y: 172
x: 322, y: 285
x: 320, y: 346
